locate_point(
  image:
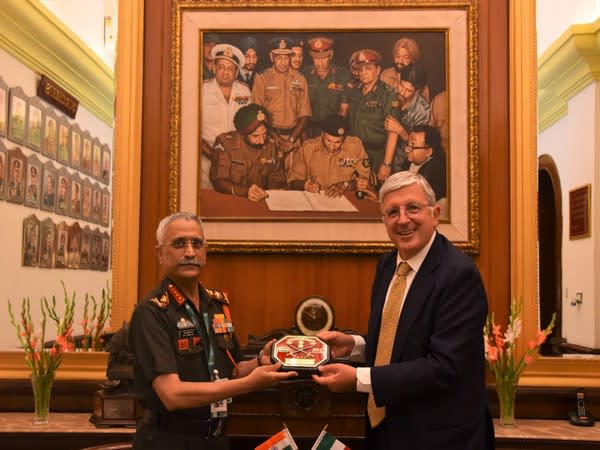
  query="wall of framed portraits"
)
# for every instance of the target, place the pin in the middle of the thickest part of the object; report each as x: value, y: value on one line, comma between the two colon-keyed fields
x: 55, y: 196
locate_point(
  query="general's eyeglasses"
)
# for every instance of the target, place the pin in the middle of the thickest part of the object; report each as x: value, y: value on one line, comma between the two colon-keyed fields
x: 411, y: 210
x: 410, y: 148
x: 179, y: 243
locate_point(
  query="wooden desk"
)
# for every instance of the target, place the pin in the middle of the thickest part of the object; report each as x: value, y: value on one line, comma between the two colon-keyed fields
x: 65, y: 431
x: 73, y: 431
x: 546, y: 434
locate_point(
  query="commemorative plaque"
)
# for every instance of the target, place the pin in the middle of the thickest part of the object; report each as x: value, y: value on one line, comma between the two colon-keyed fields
x: 303, y: 354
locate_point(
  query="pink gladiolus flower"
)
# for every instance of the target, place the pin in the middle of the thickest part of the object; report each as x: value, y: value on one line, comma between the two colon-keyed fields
x: 540, y: 337
x: 529, y: 359
x: 492, y: 354
x: 497, y: 331
x: 532, y: 345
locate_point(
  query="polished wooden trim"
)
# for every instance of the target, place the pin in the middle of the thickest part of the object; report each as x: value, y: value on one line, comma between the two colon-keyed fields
x: 128, y: 150
x: 75, y: 366
x: 523, y: 132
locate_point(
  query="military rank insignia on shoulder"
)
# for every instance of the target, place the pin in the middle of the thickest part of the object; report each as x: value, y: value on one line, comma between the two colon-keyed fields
x: 161, y: 302
x: 217, y: 295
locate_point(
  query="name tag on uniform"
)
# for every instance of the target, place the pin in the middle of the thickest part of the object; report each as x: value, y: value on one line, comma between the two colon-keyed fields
x: 219, y: 409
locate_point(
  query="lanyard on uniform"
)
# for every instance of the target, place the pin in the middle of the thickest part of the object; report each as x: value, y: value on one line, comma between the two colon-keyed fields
x: 210, y: 354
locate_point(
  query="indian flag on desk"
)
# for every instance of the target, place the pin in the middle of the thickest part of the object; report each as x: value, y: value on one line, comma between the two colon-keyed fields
x: 284, y: 441
x: 280, y: 441
x: 326, y: 441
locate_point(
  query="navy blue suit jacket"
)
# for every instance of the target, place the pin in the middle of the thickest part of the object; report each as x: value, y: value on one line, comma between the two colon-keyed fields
x: 434, y: 387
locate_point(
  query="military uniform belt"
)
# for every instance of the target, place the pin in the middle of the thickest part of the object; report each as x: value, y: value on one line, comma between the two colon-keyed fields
x: 177, y: 423
x: 284, y: 131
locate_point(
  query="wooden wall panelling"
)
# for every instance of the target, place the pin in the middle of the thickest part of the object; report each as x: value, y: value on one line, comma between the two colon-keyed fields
x: 494, y: 169
x: 155, y: 136
x: 279, y: 281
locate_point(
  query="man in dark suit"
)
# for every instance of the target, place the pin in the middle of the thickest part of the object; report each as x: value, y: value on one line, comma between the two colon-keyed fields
x: 426, y: 383
x: 426, y: 156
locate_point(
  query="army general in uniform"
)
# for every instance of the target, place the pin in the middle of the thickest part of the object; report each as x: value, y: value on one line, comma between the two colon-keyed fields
x: 332, y: 162
x: 283, y: 91
x: 366, y: 107
x: 187, y: 358
x: 247, y: 161
x: 326, y: 82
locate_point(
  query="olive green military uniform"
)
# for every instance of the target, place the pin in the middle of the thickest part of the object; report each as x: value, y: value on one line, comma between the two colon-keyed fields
x: 167, y: 335
x: 366, y: 118
x: 326, y: 94
x: 236, y: 165
x: 314, y: 162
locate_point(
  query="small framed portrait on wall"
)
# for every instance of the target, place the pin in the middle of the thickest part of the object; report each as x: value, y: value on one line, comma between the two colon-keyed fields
x: 75, y: 157
x: 74, y: 246
x: 76, y: 195
x: 64, y: 143
x: 96, y: 203
x: 105, y: 255
x: 48, y: 187
x: 47, y: 244
x: 31, y: 241
x: 86, y: 248
x: 33, y: 183
x: 86, y: 154
x: 96, y: 158
x: 17, y: 115
x: 96, y: 258
x: 63, y: 192
x: 105, y: 164
x: 3, y: 107
x: 15, y: 189
x: 50, y: 133
x: 3, y: 163
x: 35, y: 124
x: 62, y: 235
x: 86, y: 202
x: 105, y: 217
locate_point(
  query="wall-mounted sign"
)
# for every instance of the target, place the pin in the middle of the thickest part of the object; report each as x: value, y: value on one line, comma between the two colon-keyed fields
x: 54, y: 94
x: 580, y: 212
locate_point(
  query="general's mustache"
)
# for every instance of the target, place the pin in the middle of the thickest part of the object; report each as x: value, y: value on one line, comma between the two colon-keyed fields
x: 190, y: 262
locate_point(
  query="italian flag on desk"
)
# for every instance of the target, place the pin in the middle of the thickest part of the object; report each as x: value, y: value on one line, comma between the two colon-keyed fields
x: 326, y: 441
x: 280, y: 441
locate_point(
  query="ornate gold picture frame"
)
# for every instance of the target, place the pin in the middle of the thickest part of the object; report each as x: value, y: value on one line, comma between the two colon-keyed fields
x: 456, y: 21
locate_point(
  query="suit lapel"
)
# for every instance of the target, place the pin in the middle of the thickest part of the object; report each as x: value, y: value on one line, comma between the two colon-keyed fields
x: 417, y: 296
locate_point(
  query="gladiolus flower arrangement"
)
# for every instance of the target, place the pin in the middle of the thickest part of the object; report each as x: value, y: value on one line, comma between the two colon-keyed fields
x: 502, y: 359
x: 94, y: 322
x: 44, y: 361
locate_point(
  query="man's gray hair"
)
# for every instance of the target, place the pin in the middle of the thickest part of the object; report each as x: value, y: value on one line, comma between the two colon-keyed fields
x: 162, y: 226
x: 403, y: 179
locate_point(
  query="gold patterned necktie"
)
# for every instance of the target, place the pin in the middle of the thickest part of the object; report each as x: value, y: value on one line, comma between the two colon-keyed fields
x: 387, y: 334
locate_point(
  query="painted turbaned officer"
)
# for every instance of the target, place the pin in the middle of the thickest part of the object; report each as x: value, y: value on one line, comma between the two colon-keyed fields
x: 246, y: 162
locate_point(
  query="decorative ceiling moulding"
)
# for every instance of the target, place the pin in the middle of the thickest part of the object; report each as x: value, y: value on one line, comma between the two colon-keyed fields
x: 570, y: 64
x: 35, y: 37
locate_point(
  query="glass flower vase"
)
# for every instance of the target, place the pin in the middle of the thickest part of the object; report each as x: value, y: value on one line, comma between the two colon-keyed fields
x: 42, y: 389
x: 506, y: 388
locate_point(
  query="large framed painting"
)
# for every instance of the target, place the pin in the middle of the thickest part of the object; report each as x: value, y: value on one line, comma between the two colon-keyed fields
x: 425, y: 65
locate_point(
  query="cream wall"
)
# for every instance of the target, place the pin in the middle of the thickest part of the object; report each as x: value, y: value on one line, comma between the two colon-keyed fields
x: 569, y: 113
x: 40, y: 44
x: 573, y: 144
x: 17, y: 281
